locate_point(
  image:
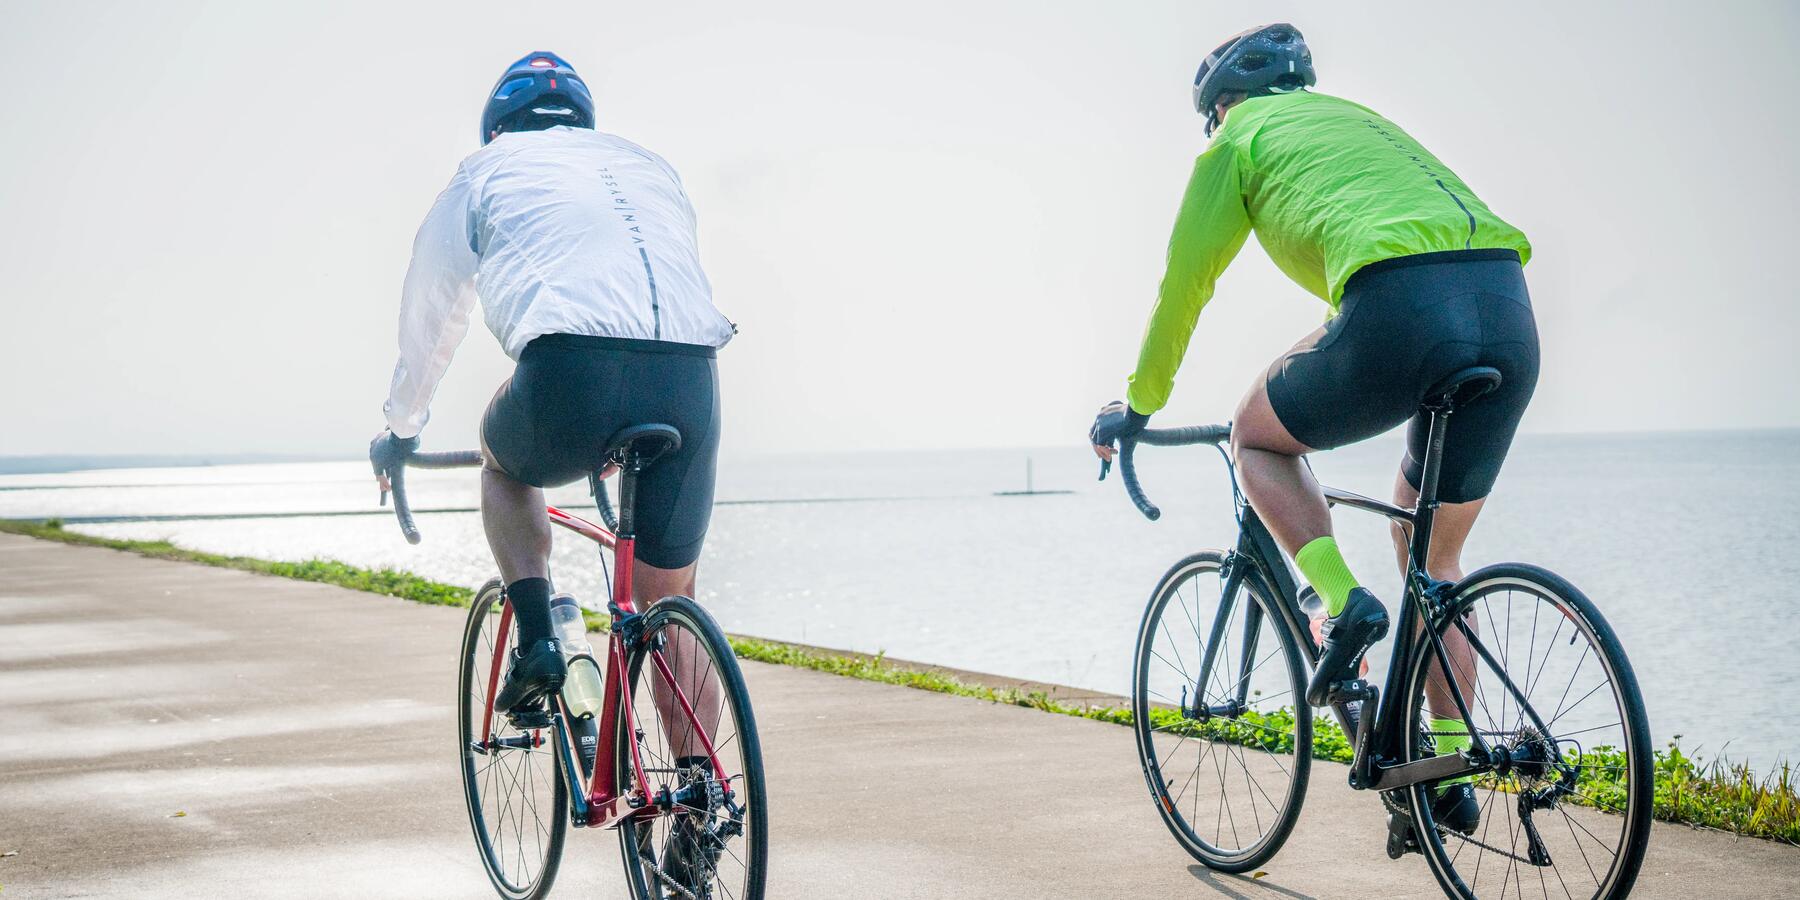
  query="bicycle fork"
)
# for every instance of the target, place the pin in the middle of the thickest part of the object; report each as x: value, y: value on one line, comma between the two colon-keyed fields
x: 1237, y: 696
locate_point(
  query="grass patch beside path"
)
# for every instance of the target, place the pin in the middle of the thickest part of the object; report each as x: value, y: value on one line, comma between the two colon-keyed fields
x: 376, y: 581
x: 1717, y: 794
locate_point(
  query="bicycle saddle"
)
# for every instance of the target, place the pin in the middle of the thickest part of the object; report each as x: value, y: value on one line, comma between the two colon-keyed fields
x: 1462, y: 388
x: 645, y: 442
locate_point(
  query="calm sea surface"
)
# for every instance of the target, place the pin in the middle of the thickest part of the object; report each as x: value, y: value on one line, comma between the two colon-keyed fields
x: 1689, y: 543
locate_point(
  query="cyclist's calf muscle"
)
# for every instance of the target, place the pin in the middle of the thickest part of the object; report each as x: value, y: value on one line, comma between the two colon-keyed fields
x: 1450, y: 529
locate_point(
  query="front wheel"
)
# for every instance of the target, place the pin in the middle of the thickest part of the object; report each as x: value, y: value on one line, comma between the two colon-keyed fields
x: 1217, y: 700
x: 1546, y: 680
x: 688, y: 695
x: 513, y: 783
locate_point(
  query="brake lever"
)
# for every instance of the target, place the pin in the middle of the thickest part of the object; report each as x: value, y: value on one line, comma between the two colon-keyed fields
x: 1105, y: 467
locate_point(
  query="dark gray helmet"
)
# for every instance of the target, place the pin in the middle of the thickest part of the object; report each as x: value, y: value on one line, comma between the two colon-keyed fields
x: 1265, y: 60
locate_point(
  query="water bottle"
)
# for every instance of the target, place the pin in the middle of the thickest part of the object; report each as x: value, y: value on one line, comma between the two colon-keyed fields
x: 582, y: 690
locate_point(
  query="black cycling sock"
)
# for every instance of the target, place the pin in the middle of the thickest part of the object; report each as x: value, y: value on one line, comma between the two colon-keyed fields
x: 689, y: 762
x: 530, y: 599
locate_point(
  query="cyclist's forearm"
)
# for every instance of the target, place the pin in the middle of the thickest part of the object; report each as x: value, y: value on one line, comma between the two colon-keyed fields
x: 435, y: 303
x: 1165, y: 343
x: 422, y: 364
x: 1209, y: 230
x: 433, y: 321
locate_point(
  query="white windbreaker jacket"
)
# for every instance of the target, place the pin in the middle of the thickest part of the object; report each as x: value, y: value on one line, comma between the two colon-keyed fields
x: 563, y: 231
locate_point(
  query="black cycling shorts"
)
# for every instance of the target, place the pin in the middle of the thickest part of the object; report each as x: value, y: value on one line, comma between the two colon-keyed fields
x: 1404, y: 325
x: 549, y: 424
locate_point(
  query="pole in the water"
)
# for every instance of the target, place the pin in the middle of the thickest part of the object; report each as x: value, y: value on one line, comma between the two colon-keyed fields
x: 1030, y: 484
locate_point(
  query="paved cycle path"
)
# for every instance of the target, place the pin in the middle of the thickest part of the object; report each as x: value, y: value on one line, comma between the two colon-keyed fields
x: 175, y: 730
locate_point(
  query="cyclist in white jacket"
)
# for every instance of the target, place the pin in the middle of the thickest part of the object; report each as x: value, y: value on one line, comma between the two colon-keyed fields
x: 580, y: 247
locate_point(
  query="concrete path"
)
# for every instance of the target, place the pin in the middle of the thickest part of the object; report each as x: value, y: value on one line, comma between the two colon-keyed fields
x: 176, y: 730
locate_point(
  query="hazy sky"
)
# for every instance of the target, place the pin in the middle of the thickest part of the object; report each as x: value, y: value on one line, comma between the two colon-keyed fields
x: 938, y: 224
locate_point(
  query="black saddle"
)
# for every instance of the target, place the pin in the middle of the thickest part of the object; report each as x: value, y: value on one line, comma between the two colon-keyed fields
x: 641, y: 445
x: 1461, y: 388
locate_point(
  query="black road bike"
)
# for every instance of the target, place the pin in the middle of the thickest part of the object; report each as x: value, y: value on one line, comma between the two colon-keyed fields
x: 1560, y: 754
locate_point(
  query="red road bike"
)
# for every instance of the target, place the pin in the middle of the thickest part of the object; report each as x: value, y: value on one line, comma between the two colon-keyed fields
x: 676, y: 767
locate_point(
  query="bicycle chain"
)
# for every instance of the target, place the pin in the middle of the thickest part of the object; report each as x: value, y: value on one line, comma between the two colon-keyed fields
x: 1398, y: 807
x: 1485, y: 846
x: 665, y: 879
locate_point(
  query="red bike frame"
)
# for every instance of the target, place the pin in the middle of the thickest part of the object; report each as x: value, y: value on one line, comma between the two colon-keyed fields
x: 606, y: 805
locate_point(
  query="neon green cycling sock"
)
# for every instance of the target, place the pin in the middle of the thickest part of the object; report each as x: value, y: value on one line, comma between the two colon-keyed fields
x: 1325, y: 570
x: 1443, y: 743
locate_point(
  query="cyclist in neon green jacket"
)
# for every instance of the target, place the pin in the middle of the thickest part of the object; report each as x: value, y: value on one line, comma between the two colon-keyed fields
x: 1422, y: 280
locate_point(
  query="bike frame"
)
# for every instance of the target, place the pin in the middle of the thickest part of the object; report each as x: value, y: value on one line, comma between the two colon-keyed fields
x: 1377, y: 739
x: 601, y: 802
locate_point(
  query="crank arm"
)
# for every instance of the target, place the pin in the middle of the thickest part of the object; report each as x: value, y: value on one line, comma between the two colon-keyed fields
x: 1437, y: 768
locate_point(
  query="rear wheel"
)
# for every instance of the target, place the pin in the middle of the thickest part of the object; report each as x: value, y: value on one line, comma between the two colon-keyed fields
x: 1570, y: 818
x: 513, y: 781
x: 1226, y: 752
x: 711, y: 844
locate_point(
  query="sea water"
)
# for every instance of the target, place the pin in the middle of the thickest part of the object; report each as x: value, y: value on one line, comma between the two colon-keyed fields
x: 1685, y: 541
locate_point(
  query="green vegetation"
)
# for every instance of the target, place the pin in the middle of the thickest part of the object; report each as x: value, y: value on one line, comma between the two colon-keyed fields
x: 383, y: 581
x: 1720, y: 795
x: 1717, y: 795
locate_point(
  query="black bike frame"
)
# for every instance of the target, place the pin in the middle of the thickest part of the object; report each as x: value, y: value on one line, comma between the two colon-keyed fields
x: 1378, y: 739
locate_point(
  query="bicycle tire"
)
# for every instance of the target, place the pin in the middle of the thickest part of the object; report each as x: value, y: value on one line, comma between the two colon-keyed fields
x: 1168, y: 799
x: 1633, y: 730
x: 634, y: 839
x: 477, y: 657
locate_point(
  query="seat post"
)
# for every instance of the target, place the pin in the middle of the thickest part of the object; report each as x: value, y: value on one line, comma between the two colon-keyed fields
x: 1426, y: 511
x: 628, y: 475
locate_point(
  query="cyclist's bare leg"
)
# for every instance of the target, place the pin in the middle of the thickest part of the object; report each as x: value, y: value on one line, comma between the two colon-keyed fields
x: 1274, y: 475
x: 689, y: 662
x: 1449, y: 530
x: 518, y: 532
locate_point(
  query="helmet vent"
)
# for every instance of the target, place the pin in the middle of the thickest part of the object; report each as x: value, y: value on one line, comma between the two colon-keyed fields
x: 1270, y: 59
x: 538, y: 91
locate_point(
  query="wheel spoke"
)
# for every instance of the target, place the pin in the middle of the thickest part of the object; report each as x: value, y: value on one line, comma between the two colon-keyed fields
x: 514, y: 800
x: 706, y: 677
x: 1205, y: 767
x: 1515, y: 721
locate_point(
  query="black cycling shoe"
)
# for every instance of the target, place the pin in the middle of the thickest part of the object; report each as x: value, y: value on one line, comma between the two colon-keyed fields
x: 532, y: 674
x: 1457, y: 809
x: 691, y: 856
x: 1348, y: 635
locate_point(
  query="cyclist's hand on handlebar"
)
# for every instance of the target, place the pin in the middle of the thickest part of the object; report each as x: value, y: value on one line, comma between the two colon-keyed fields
x: 387, y: 451
x: 1116, y: 420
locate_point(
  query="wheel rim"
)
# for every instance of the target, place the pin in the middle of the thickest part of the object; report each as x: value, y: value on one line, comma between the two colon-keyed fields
x: 711, y: 846
x: 1586, y: 765
x: 515, y: 796
x: 1227, y: 786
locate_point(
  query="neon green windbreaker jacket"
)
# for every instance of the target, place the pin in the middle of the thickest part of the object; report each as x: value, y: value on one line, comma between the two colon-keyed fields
x: 1329, y: 187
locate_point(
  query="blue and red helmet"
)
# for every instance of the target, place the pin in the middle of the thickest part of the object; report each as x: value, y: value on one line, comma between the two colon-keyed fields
x: 539, y: 91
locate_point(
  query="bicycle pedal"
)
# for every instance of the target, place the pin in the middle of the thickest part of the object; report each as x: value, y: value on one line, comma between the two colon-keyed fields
x: 1401, y: 840
x: 1352, y: 691
x: 534, y: 717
